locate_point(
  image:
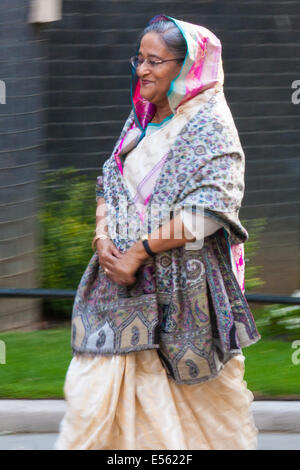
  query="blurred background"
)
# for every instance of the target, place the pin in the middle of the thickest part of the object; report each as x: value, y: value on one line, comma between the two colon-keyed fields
x: 65, y: 78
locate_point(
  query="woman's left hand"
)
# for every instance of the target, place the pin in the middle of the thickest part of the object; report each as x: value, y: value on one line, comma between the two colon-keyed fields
x: 122, y: 270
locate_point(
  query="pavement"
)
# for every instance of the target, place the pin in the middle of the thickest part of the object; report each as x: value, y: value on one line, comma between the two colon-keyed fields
x: 46, y: 441
x: 44, y: 416
x: 34, y: 424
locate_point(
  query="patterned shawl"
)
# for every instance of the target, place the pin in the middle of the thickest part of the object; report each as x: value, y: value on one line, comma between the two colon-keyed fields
x: 188, y: 304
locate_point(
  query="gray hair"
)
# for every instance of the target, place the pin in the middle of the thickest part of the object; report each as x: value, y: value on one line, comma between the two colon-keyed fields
x: 170, y: 34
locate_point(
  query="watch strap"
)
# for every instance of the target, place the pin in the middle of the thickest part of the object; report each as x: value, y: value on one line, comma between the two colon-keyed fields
x: 147, y: 247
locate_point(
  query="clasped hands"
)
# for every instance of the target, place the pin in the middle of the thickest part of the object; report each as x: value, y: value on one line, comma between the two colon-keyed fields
x: 120, y: 267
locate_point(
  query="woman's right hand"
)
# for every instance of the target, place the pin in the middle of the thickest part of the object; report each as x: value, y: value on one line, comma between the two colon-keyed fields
x: 107, y: 251
x: 108, y: 254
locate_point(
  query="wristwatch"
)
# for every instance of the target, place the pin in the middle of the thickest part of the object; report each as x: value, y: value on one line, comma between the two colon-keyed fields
x: 144, y: 239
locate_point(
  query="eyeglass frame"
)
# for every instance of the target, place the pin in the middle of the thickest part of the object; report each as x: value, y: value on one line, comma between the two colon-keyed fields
x: 160, y: 61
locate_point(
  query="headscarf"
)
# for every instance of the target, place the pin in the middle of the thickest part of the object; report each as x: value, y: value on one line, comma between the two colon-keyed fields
x: 201, y: 70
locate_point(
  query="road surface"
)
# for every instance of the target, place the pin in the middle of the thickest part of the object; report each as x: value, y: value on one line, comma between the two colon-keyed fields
x: 45, y: 441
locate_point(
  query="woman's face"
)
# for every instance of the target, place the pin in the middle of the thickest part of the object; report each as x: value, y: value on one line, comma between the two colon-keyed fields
x: 155, y: 81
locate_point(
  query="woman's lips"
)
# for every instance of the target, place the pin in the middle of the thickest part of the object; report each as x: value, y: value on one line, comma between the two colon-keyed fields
x: 146, y: 82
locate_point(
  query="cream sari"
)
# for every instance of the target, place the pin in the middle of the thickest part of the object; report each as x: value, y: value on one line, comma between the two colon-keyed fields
x: 127, y: 402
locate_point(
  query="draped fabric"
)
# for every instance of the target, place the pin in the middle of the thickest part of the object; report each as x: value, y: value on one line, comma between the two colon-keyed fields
x: 135, y: 167
x: 186, y: 303
x: 127, y: 402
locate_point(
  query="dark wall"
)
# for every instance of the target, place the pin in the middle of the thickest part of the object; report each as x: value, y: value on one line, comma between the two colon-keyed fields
x: 22, y: 125
x: 88, y: 100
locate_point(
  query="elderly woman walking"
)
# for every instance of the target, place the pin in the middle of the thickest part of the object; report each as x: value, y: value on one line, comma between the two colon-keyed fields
x: 160, y: 316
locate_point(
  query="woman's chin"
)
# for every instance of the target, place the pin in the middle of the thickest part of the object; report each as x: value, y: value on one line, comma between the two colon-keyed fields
x: 146, y: 95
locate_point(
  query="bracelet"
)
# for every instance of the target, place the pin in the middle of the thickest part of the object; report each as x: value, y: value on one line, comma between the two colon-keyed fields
x: 101, y: 236
x: 97, y: 237
x: 146, y: 245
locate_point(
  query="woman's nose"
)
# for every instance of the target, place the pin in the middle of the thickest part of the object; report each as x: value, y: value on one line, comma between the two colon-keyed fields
x: 143, y: 69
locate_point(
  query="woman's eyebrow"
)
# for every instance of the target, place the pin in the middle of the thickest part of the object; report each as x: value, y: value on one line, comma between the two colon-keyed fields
x: 151, y: 55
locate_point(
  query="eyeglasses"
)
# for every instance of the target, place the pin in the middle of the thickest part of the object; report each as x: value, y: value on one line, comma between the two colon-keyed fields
x: 137, y: 62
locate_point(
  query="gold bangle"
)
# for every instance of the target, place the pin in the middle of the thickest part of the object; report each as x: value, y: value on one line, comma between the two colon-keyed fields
x: 97, y: 237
